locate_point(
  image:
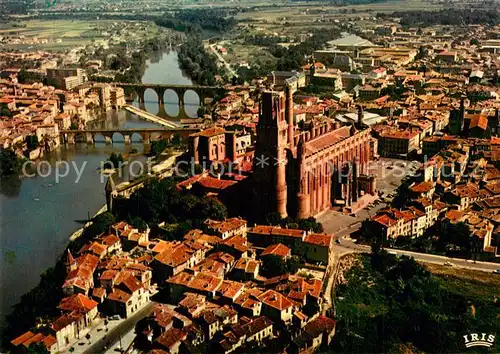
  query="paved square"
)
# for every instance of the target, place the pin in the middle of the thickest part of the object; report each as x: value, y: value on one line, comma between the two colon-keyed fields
x: 389, y: 173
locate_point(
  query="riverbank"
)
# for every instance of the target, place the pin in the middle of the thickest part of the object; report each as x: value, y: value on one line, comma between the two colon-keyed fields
x: 79, y: 232
x: 41, y: 301
x: 40, y: 214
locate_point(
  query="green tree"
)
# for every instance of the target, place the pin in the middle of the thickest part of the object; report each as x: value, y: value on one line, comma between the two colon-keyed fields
x: 310, y: 224
x: 10, y: 163
x: 5, y: 112
x: 157, y: 147
x: 211, y: 208
x: 458, y: 235
x: 293, y: 264
x: 115, y: 160
x: 138, y: 223
x: 273, y: 266
x: 26, y: 77
x: 38, y: 348
x: 273, y: 219
x: 32, y: 142
x: 101, y: 223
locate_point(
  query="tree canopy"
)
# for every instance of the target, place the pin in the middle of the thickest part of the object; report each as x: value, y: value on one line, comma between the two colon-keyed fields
x: 389, y: 303
x: 10, y: 163
x: 273, y: 265
x: 457, y: 17
x: 309, y: 224
x: 161, y: 201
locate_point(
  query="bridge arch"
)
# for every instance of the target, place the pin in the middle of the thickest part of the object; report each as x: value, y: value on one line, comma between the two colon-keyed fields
x: 172, y: 104
x: 151, y: 100
x: 80, y: 138
x: 136, y: 138
x: 192, y: 101
x: 99, y: 138
x: 118, y: 137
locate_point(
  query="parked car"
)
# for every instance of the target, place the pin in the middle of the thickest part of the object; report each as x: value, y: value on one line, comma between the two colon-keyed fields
x: 497, y: 271
x: 115, y: 317
x: 448, y: 264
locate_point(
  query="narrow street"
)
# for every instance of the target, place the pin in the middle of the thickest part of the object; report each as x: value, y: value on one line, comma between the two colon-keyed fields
x: 115, y: 334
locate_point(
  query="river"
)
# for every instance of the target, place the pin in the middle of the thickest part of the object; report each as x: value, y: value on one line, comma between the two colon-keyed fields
x: 38, y: 214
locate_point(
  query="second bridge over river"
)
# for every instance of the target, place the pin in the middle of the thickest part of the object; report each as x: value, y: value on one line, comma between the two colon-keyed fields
x: 147, y: 135
x: 203, y: 92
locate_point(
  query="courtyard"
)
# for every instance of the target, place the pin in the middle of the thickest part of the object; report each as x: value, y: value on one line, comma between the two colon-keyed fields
x: 390, y: 174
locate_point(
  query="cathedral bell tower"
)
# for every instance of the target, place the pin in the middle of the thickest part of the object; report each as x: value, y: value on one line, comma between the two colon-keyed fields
x: 269, y: 167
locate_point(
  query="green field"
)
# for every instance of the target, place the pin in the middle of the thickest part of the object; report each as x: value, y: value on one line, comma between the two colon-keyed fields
x: 65, y: 34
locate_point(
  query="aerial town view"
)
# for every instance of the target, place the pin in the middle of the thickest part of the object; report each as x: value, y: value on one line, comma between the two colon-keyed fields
x: 214, y: 176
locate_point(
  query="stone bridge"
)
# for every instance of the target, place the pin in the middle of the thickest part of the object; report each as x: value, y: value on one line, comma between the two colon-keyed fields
x: 147, y: 134
x: 203, y: 92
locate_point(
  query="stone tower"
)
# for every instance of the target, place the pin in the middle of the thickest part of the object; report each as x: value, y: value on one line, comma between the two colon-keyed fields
x: 269, y: 170
x: 70, y: 263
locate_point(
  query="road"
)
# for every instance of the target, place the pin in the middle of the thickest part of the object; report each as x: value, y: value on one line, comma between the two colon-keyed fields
x: 114, y: 335
x: 221, y: 58
x: 348, y: 246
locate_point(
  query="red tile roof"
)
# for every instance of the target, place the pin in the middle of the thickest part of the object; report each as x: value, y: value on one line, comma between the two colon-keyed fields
x: 384, y: 219
x: 129, y: 282
x: 99, y: 292
x: 170, y: 337
x: 209, y: 265
x: 109, y: 274
x: 237, y: 242
x: 119, y: 295
x: 22, y: 338
x: 110, y: 240
x: 326, y: 140
x: 230, y: 289
x: 422, y: 187
x: 210, y: 132
x: 277, y: 250
x: 77, y: 302
x: 258, y: 325
x: 225, y: 225
x: 275, y: 300
x: 82, y: 275
x: 180, y: 254
x: 319, y: 239
x: 480, y: 121
x: 65, y: 320
x: 205, y: 282
x: 207, y: 182
x: 319, y: 325
x: 276, y: 230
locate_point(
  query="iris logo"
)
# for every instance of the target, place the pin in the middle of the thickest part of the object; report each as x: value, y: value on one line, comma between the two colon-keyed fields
x: 476, y: 340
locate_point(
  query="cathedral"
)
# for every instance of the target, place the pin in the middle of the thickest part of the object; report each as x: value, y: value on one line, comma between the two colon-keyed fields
x: 303, y: 172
